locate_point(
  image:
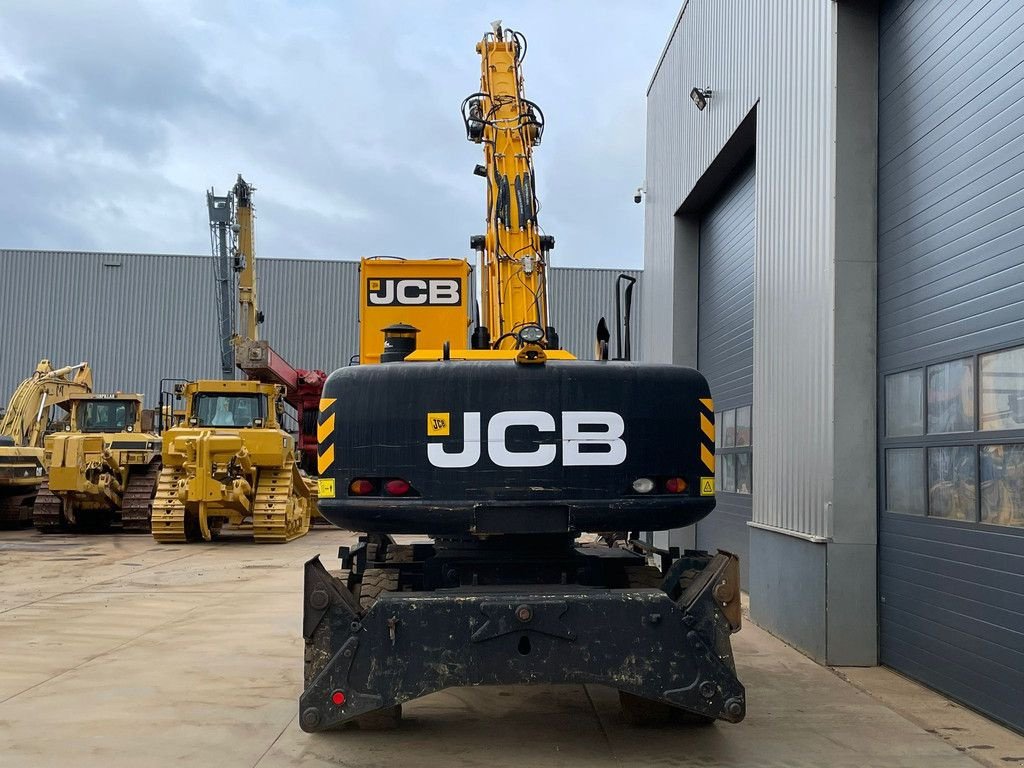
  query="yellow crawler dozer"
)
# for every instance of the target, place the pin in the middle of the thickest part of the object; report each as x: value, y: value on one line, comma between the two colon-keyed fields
x: 102, y: 469
x: 229, y: 461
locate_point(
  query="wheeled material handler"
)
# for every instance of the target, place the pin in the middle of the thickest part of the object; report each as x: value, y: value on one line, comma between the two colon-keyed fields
x: 500, y: 449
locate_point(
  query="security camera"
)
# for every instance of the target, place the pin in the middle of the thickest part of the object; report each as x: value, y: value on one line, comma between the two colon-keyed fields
x: 638, y: 196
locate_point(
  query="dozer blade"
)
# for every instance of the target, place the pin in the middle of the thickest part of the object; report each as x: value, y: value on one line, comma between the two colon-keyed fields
x: 409, y: 644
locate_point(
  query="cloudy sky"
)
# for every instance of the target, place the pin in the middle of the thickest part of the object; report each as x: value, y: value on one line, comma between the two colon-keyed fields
x: 115, y: 117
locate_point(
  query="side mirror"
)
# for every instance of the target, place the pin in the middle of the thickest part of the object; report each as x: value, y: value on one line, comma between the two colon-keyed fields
x: 603, y: 336
x: 623, y: 316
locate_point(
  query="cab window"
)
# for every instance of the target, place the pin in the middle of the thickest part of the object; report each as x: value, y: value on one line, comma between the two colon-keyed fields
x: 105, y: 415
x: 238, y: 411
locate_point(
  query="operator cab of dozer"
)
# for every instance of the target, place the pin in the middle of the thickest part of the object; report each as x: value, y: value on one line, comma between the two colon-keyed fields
x: 471, y: 426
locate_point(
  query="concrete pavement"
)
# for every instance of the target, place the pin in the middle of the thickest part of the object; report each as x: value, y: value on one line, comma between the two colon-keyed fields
x: 116, y: 651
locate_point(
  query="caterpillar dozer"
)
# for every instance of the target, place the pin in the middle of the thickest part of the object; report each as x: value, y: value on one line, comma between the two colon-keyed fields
x: 502, y: 450
x: 23, y: 427
x: 229, y: 462
x: 102, y: 469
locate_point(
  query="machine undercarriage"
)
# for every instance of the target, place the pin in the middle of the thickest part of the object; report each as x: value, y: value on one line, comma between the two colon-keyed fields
x: 400, y: 621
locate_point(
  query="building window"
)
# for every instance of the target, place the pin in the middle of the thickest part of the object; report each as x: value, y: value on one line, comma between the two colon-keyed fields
x: 1002, y: 389
x: 951, y: 397
x: 728, y: 423
x: 904, y: 403
x: 952, y: 489
x: 940, y: 460
x: 904, y: 484
x: 743, y: 426
x: 733, y: 441
x: 1002, y: 485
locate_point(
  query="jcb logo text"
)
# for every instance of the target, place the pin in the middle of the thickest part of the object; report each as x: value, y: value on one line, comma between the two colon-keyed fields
x: 588, y: 439
x: 414, y: 291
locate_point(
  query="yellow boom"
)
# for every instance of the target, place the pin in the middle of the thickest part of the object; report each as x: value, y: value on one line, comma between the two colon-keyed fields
x: 513, y: 254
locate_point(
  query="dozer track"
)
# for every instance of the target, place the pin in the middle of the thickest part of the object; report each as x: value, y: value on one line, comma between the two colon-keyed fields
x: 281, y: 509
x: 137, y: 502
x: 47, y: 512
x: 15, y: 510
x: 169, y: 522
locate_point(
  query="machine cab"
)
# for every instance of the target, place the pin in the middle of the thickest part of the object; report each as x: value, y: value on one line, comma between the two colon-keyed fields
x: 108, y: 413
x: 229, y: 405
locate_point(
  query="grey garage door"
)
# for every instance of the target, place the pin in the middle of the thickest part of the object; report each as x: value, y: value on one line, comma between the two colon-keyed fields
x: 725, y: 355
x: 951, y: 348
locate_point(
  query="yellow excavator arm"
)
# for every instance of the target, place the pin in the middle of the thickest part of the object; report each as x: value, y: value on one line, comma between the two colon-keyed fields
x: 246, y: 222
x: 28, y: 412
x: 513, y: 254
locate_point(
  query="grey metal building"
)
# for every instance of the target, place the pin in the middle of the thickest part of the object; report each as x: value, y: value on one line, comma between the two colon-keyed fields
x: 139, y: 318
x: 835, y: 239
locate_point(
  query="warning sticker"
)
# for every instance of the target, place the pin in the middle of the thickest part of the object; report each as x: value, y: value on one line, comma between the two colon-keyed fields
x: 437, y: 424
x: 325, y: 487
x: 375, y: 285
x: 707, y: 486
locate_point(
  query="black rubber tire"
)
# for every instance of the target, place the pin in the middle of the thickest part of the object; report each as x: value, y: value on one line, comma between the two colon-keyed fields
x: 636, y: 710
x: 639, y: 711
x: 643, y: 577
x: 399, y: 553
x: 375, y: 582
x: 386, y: 719
x: 647, y: 713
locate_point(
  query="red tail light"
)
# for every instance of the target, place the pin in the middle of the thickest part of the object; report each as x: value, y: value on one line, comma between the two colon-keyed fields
x: 675, y: 485
x: 360, y: 487
x: 338, y: 697
x: 396, y: 487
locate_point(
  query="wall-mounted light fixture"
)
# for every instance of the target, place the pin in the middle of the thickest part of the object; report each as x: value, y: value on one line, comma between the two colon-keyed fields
x: 700, y: 97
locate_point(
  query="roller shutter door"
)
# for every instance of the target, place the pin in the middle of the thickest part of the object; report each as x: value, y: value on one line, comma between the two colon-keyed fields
x: 951, y: 348
x: 725, y: 355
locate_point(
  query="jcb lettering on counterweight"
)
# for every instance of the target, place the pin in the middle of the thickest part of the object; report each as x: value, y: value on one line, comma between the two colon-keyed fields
x: 414, y: 291
x: 589, y: 439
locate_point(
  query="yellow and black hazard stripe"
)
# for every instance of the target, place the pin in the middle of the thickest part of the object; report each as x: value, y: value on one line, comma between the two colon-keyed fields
x: 707, y: 436
x: 325, y: 435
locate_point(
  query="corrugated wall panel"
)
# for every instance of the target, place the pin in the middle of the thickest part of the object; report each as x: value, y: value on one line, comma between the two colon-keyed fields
x: 138, y: 318
x: 313, y: 308
x: 780, y: 57
x: 580, y: 297
x: 134, y: 318
x: 951, y: 284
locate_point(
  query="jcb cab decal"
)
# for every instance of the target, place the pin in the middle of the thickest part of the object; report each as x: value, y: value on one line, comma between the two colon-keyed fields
x: 414, y: 291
